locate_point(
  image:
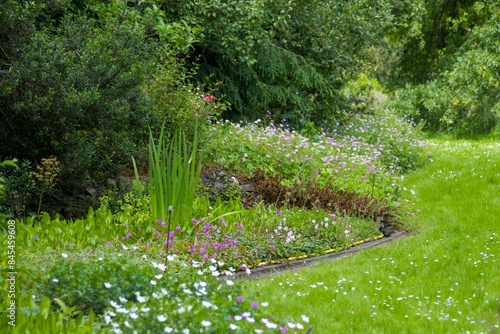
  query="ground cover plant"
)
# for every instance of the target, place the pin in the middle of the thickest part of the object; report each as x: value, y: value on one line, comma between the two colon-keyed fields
x: 444, y: 279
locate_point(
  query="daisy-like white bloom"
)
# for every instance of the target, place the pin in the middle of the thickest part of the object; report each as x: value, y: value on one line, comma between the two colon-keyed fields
x: 127, y: 324
x: 185, y: 331
x: 153, y: 282
x: 134, y: 315
x: 168, y: 329
x: 196, y: 264
x: 203, y: 284
x: 164, y: 291
x: 206, y: 304
x: 170, y: 257
x: 237, y: 317
x: 158, y: 276
x: 233, y: 327
x: 107, y: 285
x: 145, y: 309
x: 206, y: 323
x: 124, y: 247
x: 229, y: 282
x: 55, y: 280
x: 122, y: 299
x: 265, y: 304
x: 200, y: 272
x: 64, y: 255
x: 182, y: 309
x: 250, y: 319
x: 101, y: 258
x: 155, y: 295
x: 291, y: 325
x: 107, y: 319
x: 212, y: 268
x: 246, y: 314
x: 271, y: 325
x: 299, y: 326
x: 162, y: 318
x: 305, y: 319
x: 259, y: 331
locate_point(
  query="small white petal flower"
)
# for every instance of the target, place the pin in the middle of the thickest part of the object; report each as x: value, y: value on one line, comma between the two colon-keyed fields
x: 55, y: 280
x: 305, y: 319
x: 220, y: 263
x: 168, y: 329
x: 181, y: 310
x: 127, y: 324
x: 233, y: 327
x: 107, y: 319
x: 212, y: 268
x: 162, y: 318
x: 134, y: 316
x: 170, y: 257
x: 124, y: 247
x: 155, y: 295
x: 237, y: 317
x: 259, y: 331
x: 265, y: 304
x: 206, y: 304
x: 213, y: 261
x: 300, y: 326
x: 145, y: 309
x: 206, y: 323
x: 246, y: 314
x: 153, y: 282
x: 229, y: 282
x: 185, y: 331
x: 158, y: 276
x: 141, y: 299
x: 122, y: 299
x: 101, y: 258
x: 203, y: 284
x: 107, y: 285
x: 64, y: 255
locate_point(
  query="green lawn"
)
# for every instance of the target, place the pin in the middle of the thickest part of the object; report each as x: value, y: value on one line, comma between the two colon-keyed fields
x: 444, y: 279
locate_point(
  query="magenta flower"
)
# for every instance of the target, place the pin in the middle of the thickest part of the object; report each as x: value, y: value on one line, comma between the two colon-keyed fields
x: 107, y: 243
x: 36, y: 238
x: 239, y: 299
x: 178, y: 228
x: 255, y: 304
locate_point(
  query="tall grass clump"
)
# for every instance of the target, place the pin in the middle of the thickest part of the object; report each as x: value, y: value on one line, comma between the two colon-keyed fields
x: 174, y: 174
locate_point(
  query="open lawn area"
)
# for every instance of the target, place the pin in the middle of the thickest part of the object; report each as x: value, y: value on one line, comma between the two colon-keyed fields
x: 443, y: 278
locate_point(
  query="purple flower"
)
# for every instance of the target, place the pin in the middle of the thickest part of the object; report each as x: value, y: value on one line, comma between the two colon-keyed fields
x: 178, y: 228
x: 107, y: 243
x: 255, y: 304
x: 129, y: 235
x: 36, y: 238
x: 239, y: 299
x: 284, y: 330
x: 280, y: 213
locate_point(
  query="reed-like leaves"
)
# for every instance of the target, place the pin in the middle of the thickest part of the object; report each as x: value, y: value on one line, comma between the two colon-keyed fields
x: 173, y: 177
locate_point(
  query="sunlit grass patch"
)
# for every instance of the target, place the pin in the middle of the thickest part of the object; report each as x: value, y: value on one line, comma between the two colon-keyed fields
x: 446, y: 279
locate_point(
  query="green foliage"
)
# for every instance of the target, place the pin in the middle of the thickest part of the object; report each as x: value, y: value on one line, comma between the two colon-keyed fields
x: 451, y: 62
x: 73, y: 90
x: 174, y: 174
x: 178, y: 102
x: 270, y: 56
x: 74, y: 283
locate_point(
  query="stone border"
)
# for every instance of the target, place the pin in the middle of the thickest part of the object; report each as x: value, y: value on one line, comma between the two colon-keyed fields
x: 273, y: 269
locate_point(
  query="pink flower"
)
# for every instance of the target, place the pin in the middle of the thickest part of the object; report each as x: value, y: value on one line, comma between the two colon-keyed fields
x: 255, y: 304
x: 239, y: 299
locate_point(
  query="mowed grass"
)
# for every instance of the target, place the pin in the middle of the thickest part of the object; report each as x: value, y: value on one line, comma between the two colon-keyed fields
x: 443, y: 279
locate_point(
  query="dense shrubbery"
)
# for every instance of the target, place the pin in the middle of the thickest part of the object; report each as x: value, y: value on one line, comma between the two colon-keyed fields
x: 452, y: 65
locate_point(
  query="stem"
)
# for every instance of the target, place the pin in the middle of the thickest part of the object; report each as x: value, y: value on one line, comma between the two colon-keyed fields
x: 168, y: 233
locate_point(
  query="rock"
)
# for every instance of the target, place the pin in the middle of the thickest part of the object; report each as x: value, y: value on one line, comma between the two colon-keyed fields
x: 218, y: 186
x: 111, y: 182
x: 124, y: 182
x: 91, y: 190
x: 248, y: 188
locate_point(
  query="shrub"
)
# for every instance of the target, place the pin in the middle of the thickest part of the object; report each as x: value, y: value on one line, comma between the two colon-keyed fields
x: 74, y: 92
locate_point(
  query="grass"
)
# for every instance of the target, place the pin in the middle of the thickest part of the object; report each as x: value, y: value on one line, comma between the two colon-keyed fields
x: 443, y: 279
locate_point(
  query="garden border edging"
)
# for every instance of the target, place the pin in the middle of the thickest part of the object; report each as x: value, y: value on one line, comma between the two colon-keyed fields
x: 269, y: 270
